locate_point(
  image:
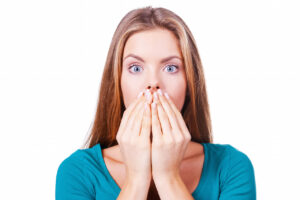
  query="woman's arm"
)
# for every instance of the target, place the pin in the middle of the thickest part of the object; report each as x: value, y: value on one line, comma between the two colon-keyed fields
x: 238, y: 181
x: 172, y: 187
x: 71, y: 182
x: 134, y: 188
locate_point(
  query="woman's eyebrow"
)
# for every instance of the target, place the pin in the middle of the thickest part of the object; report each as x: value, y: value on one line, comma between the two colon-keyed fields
x: 162, y: 61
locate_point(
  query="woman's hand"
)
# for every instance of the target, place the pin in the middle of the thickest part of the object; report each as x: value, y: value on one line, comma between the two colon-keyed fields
x: 170, y: 137
x: 134, y: 139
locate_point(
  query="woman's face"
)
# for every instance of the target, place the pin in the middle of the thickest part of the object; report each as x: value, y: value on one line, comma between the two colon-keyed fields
x: 145, y: 64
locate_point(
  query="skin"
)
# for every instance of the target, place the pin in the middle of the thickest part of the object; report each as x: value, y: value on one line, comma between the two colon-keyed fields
x: 170, y: 141
x: 153, y: 46
x: 170, y: 134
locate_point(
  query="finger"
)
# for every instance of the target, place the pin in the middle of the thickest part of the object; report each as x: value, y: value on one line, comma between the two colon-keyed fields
x: 164, y: 121
x: 127, y: 113
x: 146, y: 127
x: 156, y: 127
x: 148, y: 96
x: 179, y: 117
x: 169, y: 111
x: 137, y: 125
x: 134, y: 115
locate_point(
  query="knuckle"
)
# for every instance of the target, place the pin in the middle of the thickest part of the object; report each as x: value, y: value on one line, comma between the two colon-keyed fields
x: 173, y: 114
x: 132, y: 141
x: 179, y: 139
x: 118, y: 138
x: 125, y: 140
x: 141, y: 144
x: 189, y: 138
x: 169, y: 141
x: 157, y: 143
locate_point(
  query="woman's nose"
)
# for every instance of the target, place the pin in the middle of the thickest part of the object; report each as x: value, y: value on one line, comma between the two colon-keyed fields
x: 153, y: 88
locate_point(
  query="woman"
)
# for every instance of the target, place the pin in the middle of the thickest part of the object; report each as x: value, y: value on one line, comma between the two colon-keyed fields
x: 151, y: 138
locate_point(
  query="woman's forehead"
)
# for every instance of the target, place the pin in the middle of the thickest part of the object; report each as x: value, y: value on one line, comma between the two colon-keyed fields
x: 156, y: 43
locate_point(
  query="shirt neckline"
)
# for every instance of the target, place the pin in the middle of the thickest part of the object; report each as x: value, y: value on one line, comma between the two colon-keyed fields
x: 117, y: 189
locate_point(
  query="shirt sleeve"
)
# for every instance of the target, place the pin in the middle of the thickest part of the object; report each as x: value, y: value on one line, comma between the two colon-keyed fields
x: 239, y: 180
x: 72, y: 182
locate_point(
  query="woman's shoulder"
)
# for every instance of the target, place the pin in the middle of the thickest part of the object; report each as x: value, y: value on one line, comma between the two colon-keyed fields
x: 225, y: 151
x: 232, y: 161
x: 74, y: 174
x: 80, y: 158
x: 234, y: 170
x: 219, y: 155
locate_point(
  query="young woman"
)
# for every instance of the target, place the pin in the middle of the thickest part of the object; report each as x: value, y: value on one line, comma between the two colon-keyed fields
x: 151, y: 138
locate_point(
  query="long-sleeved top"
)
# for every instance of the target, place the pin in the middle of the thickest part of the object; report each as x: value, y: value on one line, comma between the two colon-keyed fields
x: 227, y: 173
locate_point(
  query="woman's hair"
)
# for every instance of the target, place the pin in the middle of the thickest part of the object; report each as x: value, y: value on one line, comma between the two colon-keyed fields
x: 110, y: 108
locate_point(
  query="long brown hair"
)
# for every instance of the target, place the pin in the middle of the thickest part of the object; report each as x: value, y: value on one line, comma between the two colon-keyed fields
x: 110, y: 105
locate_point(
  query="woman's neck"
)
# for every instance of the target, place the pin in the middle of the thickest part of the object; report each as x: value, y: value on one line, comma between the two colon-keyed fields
x: 114, y: 153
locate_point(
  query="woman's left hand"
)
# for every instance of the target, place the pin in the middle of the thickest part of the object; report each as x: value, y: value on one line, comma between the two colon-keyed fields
x: 170, y: 137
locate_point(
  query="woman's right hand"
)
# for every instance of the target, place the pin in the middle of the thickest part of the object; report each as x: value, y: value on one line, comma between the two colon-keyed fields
x: 133, y: 138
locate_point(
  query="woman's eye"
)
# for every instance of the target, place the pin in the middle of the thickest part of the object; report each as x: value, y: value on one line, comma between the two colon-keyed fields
x: 134, y: 68
x: 172, y: 68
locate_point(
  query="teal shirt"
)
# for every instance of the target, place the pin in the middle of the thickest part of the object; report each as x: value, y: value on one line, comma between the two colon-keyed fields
x: 227, y: 174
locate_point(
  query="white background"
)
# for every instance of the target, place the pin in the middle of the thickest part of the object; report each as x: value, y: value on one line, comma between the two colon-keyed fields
x: 52, y: 55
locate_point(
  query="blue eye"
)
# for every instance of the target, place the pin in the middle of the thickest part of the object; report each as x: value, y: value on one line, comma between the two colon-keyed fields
x: 134, y: 68
x: 170, y: 67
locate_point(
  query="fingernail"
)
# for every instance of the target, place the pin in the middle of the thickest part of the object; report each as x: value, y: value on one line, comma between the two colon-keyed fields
x: 148, y: 95
x: 159, y: 92
x: 167, y: 95
x: 140, y: 94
